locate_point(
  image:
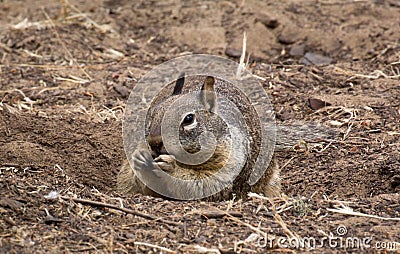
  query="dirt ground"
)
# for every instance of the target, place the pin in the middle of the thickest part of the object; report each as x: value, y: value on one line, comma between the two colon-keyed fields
x: 67, y: 68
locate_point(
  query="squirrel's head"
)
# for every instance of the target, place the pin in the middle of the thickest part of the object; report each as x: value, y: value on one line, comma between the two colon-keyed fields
x: 194, y: 122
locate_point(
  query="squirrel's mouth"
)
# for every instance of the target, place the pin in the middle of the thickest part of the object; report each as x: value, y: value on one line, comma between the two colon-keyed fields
x: 154, y: 154
x: 156, y: 145
x: 157, y: 152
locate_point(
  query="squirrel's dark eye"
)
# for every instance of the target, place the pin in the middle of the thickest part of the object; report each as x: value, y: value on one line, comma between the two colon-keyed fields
x: 189, y: 119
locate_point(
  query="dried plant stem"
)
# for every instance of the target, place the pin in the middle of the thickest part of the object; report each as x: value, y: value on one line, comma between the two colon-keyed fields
x: 122, y: 209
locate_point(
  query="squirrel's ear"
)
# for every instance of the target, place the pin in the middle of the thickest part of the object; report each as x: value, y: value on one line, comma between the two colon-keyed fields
x: 208, y: 95
x: 179, y: 84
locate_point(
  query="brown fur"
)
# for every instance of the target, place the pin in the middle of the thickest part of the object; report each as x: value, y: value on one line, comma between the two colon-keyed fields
x: 268, y: 185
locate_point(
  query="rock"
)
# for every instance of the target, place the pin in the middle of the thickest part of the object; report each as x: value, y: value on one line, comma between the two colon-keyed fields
x: 122, y: 90
x: 290, y: 34
x: 316, y: 104
x: 297, y: 50
x: 305, y: 61
x: 260, y: 42
x: 52, y: 220
x: 268, y: 21
x: 199, y: 37
x: 11, y: 203
x: 316, y: 59
x: 96, y: 89
x: 232, y: 52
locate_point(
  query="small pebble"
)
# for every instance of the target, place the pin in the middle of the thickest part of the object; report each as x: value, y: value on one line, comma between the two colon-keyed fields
x: 297, y: 50
x: 316, y: 59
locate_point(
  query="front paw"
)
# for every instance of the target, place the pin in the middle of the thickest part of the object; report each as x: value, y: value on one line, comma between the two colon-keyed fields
x: 166, y: 162
x: 142, y: 160
x: 145, y: 167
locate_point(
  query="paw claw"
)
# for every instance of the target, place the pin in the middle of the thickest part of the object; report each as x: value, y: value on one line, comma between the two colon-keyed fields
x: 166, y: 162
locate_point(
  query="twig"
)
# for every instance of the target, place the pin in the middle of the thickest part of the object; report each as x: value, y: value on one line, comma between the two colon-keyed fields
x: 287, y: 162
x: 13, y: 90
x: 200, y: 249
x: 229, y: 216
x: 242, y: 66
x: 155, y: 246
x: 349, y: 211
x: 215, y: 214
x: 53, y: 67
x: 91, y: 21
x: 326, y: 147
x: 122, y: 209
x: 64, y: 46
x: 277, y: 217
x: 283, y: 225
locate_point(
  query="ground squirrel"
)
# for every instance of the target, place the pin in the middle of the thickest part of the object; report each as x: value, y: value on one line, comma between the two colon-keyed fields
x: 191, y: 126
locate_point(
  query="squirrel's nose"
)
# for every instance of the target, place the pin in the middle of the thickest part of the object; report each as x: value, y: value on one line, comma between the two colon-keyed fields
x: 156, y: 145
